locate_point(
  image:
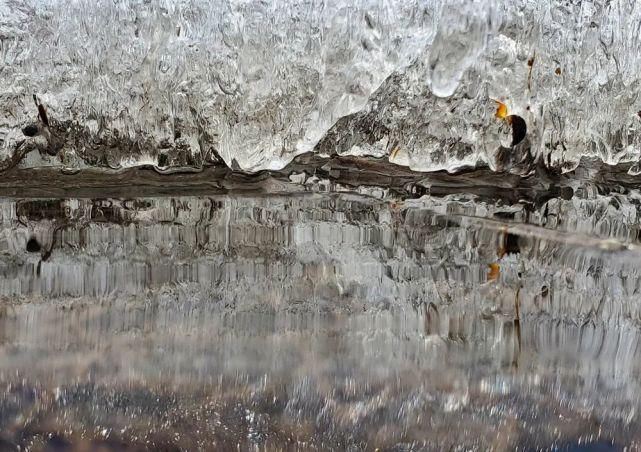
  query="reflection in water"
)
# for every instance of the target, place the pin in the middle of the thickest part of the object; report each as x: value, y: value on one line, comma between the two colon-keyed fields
x: 318, y: 321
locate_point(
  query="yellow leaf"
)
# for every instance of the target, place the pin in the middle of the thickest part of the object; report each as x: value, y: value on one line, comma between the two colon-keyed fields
x: 494, y: 271
x: 501, y: 110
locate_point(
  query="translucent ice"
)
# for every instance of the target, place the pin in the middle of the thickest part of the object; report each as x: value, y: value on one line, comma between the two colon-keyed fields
x: 175, y: 84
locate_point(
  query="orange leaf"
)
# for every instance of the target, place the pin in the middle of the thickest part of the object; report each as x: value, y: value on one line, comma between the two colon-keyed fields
x: 493, y: 273
x: 501, y: 110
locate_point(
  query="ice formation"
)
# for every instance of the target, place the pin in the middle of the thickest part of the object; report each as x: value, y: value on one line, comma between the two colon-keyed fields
x: 181, y: 83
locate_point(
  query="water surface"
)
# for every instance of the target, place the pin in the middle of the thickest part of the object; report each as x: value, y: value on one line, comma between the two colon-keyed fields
x: 309, y: 318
